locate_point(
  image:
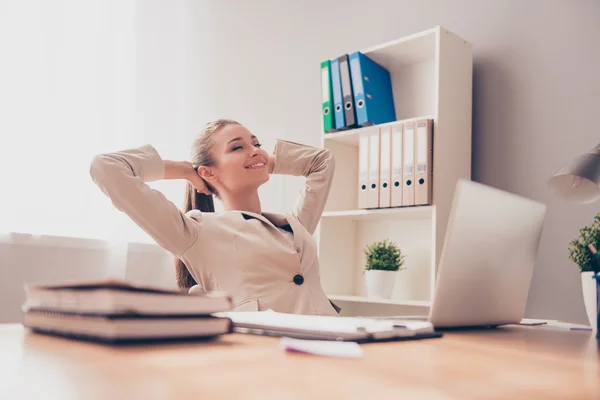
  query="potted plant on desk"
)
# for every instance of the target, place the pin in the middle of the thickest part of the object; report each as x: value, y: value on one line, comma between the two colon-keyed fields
x: 582, y: 251
x: 383, y: 260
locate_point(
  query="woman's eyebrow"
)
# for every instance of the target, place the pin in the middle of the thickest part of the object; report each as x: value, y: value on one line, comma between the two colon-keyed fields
x: 239, y: 138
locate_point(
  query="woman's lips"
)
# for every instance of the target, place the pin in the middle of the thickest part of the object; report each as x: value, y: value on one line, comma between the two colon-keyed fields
x: 256, y: 165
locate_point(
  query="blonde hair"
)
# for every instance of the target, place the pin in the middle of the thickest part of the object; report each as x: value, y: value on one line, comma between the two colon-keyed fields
x: 201, y: 154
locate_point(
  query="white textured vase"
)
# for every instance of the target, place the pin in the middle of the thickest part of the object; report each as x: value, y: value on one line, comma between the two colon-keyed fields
x: 589, y: 288
x: 380, y: 283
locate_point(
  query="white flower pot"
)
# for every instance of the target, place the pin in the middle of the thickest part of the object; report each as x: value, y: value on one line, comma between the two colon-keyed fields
x: 380, y: 283
x: 589, y: 288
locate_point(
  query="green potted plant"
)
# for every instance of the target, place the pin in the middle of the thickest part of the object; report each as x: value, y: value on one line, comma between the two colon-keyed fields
x: 581, y: 252
x: 383, y: 260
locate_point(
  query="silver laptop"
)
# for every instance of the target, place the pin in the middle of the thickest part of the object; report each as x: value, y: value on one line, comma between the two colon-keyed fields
x: 487, y: 259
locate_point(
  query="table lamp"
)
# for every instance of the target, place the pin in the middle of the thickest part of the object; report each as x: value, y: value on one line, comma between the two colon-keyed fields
x: 579, y: 180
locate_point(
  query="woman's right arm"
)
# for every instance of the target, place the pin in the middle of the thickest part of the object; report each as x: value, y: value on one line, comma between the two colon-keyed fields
x: 122, y: 176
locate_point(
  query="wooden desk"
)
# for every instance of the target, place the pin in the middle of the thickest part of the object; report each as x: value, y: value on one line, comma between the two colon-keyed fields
x: 511, y: 362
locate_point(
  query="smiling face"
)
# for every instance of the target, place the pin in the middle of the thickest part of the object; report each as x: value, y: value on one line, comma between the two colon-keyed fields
x: 240, y: 165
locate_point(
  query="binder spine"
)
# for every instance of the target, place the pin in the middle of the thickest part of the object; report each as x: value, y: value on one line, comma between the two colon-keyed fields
x: 327, y: 106
x: 408, y: 189
x: 397, y: 164
x: 358, y: 88
x: 336, y: 87
x: 423, y: 162
x: 384, y: 167
x: 347, y: 94
x: 373, y: 191
x: 363, y: 170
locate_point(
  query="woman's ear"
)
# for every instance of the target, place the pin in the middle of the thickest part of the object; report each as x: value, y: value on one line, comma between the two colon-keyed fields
x: 207, y: 174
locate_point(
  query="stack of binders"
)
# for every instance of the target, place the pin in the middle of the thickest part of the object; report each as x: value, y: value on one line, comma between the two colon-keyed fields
x: 114, y: 311
x: 356, y: 92
x: 396, y: 165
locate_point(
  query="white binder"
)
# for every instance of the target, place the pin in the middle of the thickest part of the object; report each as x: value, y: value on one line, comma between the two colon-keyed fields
x: 408, y: 189
x: 423, y: 162
x: 373, y: 191
x: 396, y: 170
x: 385, y: 164
x: 363, y: 169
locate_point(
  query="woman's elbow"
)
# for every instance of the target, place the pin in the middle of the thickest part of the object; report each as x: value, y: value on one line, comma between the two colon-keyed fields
x: 330, y: 159
x: 327, y: 159
x: 97, y: 166
x: 104, y: 168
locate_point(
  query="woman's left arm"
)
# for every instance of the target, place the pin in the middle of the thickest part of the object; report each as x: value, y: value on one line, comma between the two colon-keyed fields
x: 318, y: 166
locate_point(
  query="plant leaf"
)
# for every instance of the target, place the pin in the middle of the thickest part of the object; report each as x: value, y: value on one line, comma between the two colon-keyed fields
x: 384, y: 255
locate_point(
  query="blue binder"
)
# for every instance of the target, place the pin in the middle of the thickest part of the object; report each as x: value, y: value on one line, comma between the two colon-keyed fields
x: 338, y: 99
x: 373, y: 97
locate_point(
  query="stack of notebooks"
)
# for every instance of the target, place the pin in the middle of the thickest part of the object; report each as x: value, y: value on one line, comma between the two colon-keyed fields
x: 114, y: 311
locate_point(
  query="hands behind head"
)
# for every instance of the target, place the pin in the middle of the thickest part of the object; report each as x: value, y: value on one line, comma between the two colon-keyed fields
x: 197, y: 182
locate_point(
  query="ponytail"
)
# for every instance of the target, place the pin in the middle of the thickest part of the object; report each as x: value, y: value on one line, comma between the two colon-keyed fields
x: 201, y: 155
x: 193, y: 201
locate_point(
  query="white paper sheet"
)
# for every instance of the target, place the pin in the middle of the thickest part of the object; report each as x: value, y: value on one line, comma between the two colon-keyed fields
x: 533, y: 321
x: 322, y: 347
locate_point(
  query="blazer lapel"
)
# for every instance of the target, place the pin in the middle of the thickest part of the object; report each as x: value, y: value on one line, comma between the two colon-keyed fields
x: 297, y: 232
x: 275, y: 219
x: 248, y: 215
x: 279, y: 220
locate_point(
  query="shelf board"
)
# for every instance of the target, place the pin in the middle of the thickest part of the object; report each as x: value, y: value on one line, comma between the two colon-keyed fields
x: 407, y: 50
x: 416, y: 212
x: 363, y: 299
x: 350, y: 137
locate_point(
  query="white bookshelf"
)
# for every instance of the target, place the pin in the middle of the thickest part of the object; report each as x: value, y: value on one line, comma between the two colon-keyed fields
x: 422, y: 212
x: 431, y: 73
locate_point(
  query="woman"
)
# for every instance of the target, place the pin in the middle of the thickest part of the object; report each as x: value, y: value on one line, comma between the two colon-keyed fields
x: 263, y: 260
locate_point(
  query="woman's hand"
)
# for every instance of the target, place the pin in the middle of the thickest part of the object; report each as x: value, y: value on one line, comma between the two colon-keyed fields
x: 197, y: 182
x: 185, y: 170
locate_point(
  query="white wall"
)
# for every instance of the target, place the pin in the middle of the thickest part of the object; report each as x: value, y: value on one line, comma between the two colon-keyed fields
x: 178, y: 68
x: 172, y: 97
x: 536, y: 92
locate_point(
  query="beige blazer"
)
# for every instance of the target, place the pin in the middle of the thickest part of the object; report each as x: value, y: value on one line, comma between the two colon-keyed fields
x: 239, y: 252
